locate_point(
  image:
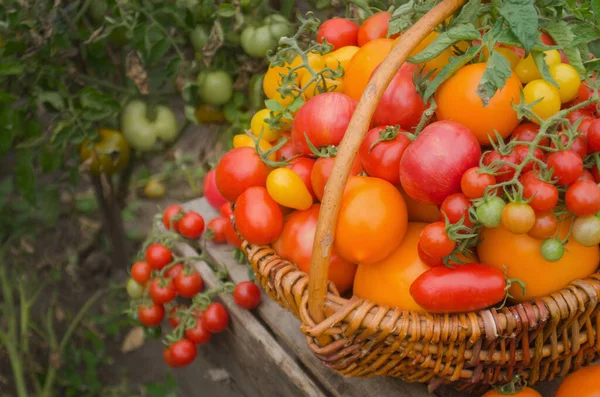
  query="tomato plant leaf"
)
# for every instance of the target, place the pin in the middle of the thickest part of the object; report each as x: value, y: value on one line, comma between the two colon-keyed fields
x: 11, y: 125
x: 50, y: 160
x: 522, y: 18
x: 563, y: 35
x: 190, y: 114
x: 25, y: 175
x: 6, y: 188
x: 11, y: 68
x: 494, y: 77
x: 157, y: 51
x: 593, y: 65
x: 540, y: 62
x: 402, y: 18
x: 448, y: 70
x: 52, y: 98
x: 6, y: 98
x: 596, y: 10
x: 226, y: 10
x: 168, y: 388
x: 468, y: 13
x: 273, y: 105
x: 445, y: 40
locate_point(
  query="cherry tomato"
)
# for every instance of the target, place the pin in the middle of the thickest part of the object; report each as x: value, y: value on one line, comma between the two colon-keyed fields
x: 583, y: 198
x: 338, y: 32
x: 375, y: 27
x: 583, y: 94
x: 524, y: 392
x: 225, y: 210
x: 578, y: 146
x: 231, y: 236
x: 191, y: 225
x: 567, y: 79
x: 182, y: 353
x: 586, y: 176
x: 489, y: 213
x: 288, y: 189
x: 518, y: 218
x: 288, y: 150
x: 566, y: 167
x: 465, y: 288
x: 522, y: 152
x: 247, y: 295
x: 258, y: 217
x: 217, y: 226
x: 456, y: 208
x: 238, y: 170
x: 168, y: 359
x: 381, y: 151
x: 198, y: 334
x: 174, y: 271
x: 322, y: 170
x: 169, y: 213
x: 273, y: 78
x: 586, y: 230
x: 215, y: 318
x: 527, y: 132
x: 260, y: 127
x: 542, y: 196
x: 303, y: 166
x: 427, y: 259
x: 211, y: 192
x: 593, y: 137
x: 473, y: 183
x: 188, y: 283
x: 151, y: 314
x: 141, y: 272
x: 174, y: 316
x: 552, y: 250
x: 579, y: 114
x: 158, y: 256
x: 162, y: 290
x: 527, y: 70
x: 435, y: 242
x: 548, y: 96
x: 340, y: 58
x: 581, y: 383
x: 504, y: 172
x: 134, y: 289
x: 545, y: 225
x: 243, y: 140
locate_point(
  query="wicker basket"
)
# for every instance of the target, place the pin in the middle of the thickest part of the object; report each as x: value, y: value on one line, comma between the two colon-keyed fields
x: 539, y: 340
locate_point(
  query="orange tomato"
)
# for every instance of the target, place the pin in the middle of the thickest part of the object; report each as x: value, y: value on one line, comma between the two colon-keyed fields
x: 441, y: 60
x: 581, y: 383
x: 525, y: 392
x: 521, y: 255
x: 372, y: 220
x: 458, y: 101
x: 363, y: 64
x: 419, y: 212
x: 296, y: 242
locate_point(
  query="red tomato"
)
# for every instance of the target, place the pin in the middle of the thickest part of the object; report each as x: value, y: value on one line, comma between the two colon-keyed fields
x: 151, y: 315
x: 174, y: 271
x: 595, y: 173
x: 593, y: 136
x: 303, y: 166
x: 338, y: 32
x: 231, y: 236
x: 566, y: 167
x: 198, y: 334
x: 442, y: 142
x: 473, y: 184
x: 456, y: 207
x: 162, y: 290
x: 218, y: 226
x: 141, y: 272
x: 296, y: 243
x: 579, y: 145
x: 400, y: 104
x: 381, y: 151
x: 188, y: 284
x: 158, y: 256
x: 257, y: 216
x: 375, y: 27
x: 323, y: 119
x: 543, y: 196
x: 174, y: 318
x: 505, y: 172
x: 527, y: 132
x: 170, y: 212
x: 182, y: 353
x: 465, y: 288
x: 226, y: 210
x: 191, y: 225
x: 522, y: 151
x: 585, y: 93
x: 586, y: 176
x: 214, y: 198
x: 215, y: 318
x: 545, y: 226
x: 288, y: 150
x: 427, y: 259
x: 585, y: 116
x: 247, y: 295
x: 435, y: 242
x: 583, y: 198
x: 238, y: 170
x: 167, y: 357
x: 322, y: 170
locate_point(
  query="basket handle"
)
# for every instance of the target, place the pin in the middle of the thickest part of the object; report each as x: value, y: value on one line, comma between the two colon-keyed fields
x: 355, y: 133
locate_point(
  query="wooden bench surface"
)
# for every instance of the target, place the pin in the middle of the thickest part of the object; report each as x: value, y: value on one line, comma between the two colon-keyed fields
x: 266, y: 350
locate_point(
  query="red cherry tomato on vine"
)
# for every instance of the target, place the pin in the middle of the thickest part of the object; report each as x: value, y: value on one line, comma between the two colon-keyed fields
x: 225, y: 210
x: 141, y: 272
x: 188, y: 284
x: 579, y: 114
x: 545, y: 226
x: 257, y: 216
x: 214, y: 198
x: 375, y: 27
x: 543, y: 196
x: 473, y: 183
x: 527, y: 132
x: 522, y: 152
x: 586, y: 176
x: 238, y: 170
x: 162, y: 290
x: 518, y: 218
x: 427, y: 259
x: 180, y: 353
x: 435, y: 242
x: 247, y: 295
x: 169, y: 213
x: 174, y: 271
x: 215, y: 318
x: 198, y: 334
x: 218, y: 226
x: 231, y: 236
x: 338, y: 32
x: 158, y: 256
x: 505, y: 172
x: 593, y: 137
x: 456, y: 207
x: 381, y: 151
x: 151, y: 314
x: 583, y: 198
x: 288, y: 150
x: 579, y: 145
x: 566, y: 167
x: 173, y: 316
x: 191, y: 225
x: 583, y: 94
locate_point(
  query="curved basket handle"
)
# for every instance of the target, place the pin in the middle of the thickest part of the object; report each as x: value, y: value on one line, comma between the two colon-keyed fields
x: 355, y: 133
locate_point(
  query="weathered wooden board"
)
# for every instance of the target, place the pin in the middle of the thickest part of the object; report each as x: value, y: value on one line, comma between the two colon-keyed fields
x: 286, y: 330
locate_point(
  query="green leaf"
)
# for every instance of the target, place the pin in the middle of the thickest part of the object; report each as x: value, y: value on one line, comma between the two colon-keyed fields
x: 402, y: 18
x: 53, y: 98
x: 468, y: 13
x: 445, y: 40
x: 25, y: 175
x: 6, y: 189
x: 296, y: 104
x: 6, y: 98
x: 168, y: 388
x: 448, y: 70
x: 226, y: 10
x: 11, y: 68
x: 50, y: 160
x: 97, y: 106
x: 540, y: 62
x: 190, y: 114
x: 563, y: 35
x: 11, y: 125
x: 593, y: 65
x: 158, y: 50
x: 522, y: 18
x: 86, y: 205
x: 596, y: 10
x: 273, y: 105
x: 496, y: 73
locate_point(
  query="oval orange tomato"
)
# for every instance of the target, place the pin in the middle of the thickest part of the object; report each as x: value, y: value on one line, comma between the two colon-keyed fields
x: 363, y: 64
x: 581, y: 383
x: 420, y: 212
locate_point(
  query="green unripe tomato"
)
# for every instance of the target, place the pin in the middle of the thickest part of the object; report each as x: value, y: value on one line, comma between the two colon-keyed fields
x: 199, y: 38
x: 144, y: 134
x: 215, y: 87
x: 552, y: 250
x: 134, y: 289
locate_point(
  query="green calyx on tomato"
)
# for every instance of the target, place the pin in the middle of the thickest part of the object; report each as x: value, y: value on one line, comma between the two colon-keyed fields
x: 215, y: 87
x: 144, y: 132
x: 256, y: 41
x: 107, y: 156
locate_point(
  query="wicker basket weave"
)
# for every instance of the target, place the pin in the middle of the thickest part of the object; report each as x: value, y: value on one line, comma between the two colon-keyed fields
x: 538, y: 340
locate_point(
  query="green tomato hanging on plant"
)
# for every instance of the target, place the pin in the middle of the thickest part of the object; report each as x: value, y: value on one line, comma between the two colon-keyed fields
x: 258, y: 40
x: 144, y: 133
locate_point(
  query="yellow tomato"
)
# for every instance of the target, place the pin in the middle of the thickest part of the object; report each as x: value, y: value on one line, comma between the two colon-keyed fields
x: 527, y: 70
x: 288, y: 189
x: 441, y: 60
x: 340, y: 57
x: 242, y: 140
x: 272, y: 81
x: 567, y: 79
x: 259, y: 126
x: 315, y: 61
x: 549, y: 104
x: 322, y: 85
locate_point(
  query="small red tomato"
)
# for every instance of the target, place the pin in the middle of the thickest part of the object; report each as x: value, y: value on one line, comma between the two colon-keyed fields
x: 162, y: 290
x: 173, y: 317
x: 238, y: 170
x: 198, y: 334
x: 527, y: 132
x: 593, y: 137
x: 522, y: 151
x: 595, y: 173
x: 141, y: 272
x: 158, y: 256
x: 381, y: 151
x: 231, y: 236
x: 167, y: 357
x: 543, y: 196
x: 188, y: 283
x: 456, y: 207
x: 191, y: 225
x: 183, y: 352
x: 580, y: 114
x: 579, y: 145
x: 288, y: 150
x: 257, y: 216
x: 435, y: 242
x: 566, y: 167
x: 215, y: 318
x: 586, y: 176
x: 151, y: 314
x: 545, y: 226
x: 247, y: 295
x: 473, y: 183
x: 214, y: 198
x: 518, y: 218
x: 504, y: 172
x: 427, y: 259
x: 169, y: 213
x: 584, y: 94
x: 338, y: 32
x: 583, y: 198
x: 303, y: 167
x: 174, y: 271
x: 226, y: 210
x: 322, y: 170
x: 218, y: 226
x: 375, y: 27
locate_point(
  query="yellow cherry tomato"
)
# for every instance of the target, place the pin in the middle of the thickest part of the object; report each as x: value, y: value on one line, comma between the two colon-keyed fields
x: 315, y: 61
x: 242, y: 140
x: 259, y: 126
x: 272, y: 81
x: 549, y: 104
x: 527, y: 70
x: 340, y: 57
x: 288, y: 189
x: 567, y: 79
x: 323, y: 84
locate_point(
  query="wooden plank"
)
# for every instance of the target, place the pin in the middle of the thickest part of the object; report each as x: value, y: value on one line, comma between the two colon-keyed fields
x: 248, y: 350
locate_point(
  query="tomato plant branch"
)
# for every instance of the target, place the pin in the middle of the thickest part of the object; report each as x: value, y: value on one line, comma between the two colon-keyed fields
x: 82, y: 11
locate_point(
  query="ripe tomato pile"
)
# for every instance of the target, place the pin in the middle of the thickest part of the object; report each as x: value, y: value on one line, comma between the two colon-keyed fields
x: 464, y: 192
x: 163, y: 284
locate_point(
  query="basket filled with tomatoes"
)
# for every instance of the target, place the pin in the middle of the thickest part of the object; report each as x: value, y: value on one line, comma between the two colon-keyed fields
x: 421, y: 191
